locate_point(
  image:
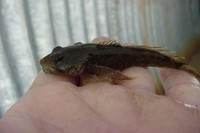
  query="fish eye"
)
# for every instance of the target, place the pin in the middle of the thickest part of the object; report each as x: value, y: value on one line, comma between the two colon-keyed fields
x: 57, y: 48
x: 78, y: 43
x: 59, y: 58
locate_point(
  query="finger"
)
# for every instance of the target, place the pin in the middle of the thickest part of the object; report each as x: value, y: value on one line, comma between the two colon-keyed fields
x: 43, y: 79
x: 181, y: 86
x: 142, y: 79
x: 101, y: 39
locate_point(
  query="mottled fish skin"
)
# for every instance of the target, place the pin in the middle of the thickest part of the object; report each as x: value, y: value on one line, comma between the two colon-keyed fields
x: 74, y: 60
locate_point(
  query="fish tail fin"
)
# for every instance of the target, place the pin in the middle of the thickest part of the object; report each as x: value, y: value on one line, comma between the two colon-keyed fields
x: 191, y: 70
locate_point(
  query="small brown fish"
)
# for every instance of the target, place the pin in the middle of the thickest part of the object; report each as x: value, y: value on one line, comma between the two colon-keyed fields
x: 103, y: 61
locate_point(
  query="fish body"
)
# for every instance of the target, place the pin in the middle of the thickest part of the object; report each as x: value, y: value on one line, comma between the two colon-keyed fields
x: 106, y: 59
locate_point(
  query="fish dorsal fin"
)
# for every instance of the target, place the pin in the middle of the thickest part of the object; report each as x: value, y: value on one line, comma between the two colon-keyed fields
x: 110, y: 43
x: 160, y: 49
x: 154, y: 48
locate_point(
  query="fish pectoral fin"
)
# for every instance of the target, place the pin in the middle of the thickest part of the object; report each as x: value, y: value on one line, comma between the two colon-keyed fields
x: 88, y: 78
x: 96, y: 73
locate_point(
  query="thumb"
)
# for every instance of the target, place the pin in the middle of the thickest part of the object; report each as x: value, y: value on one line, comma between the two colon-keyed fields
x: 181, y: 86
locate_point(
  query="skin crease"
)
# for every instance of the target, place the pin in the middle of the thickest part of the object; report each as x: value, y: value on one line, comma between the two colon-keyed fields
x: 54, y: 104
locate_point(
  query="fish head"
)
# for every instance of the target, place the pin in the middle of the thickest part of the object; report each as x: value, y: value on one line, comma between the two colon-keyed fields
x: 63, y: 61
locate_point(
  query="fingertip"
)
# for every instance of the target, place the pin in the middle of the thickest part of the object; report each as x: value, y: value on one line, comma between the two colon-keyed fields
x: 101, y: 39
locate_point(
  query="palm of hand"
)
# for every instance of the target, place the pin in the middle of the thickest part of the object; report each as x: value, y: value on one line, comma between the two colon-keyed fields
x: 54, y: 105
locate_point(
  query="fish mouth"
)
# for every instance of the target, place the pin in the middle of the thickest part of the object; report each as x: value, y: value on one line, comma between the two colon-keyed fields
x: 48, y: 69
x: 47, y: 66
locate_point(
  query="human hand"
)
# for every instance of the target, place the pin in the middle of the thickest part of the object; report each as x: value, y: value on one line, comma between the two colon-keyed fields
x: 55, y: 104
